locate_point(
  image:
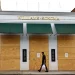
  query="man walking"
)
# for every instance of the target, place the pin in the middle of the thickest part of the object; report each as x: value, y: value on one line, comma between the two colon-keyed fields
x: 43, y: 62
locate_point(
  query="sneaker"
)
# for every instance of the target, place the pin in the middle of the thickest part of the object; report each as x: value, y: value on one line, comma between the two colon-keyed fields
x: 46, y: 71
x: 39, y: 70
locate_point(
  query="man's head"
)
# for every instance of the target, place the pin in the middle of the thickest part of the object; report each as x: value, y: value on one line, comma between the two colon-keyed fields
x: 42, y: 53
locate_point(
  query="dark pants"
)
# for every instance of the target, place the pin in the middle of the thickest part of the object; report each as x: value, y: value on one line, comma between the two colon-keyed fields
x: 45, y: 67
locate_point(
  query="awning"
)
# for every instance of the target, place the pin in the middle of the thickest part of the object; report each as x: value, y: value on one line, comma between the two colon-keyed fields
x: 11, y: 28
x: 65, y: 28
x: 39, y: 29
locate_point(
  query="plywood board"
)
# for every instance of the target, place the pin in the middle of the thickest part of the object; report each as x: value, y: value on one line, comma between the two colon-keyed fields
x: 66, y: 44
x: 10, y: 52
x: 66, y: 64
x: 38, y: 44
x: 10, y: 39
x: 10, y: 64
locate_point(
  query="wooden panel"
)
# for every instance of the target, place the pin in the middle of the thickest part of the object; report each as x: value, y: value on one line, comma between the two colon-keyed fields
x: 0, y: 62
x: 66, y: 64
x: 11, y: 64
x: 66, y: 41
x: 38, y: 44
x: 66, y: 49
x: 36, y: 41
x: 0, y: 40
x: 0, y: 52
x: 63, y: 50
x: 66, y: 44
x: 10, y: 52
x: 10, y: 39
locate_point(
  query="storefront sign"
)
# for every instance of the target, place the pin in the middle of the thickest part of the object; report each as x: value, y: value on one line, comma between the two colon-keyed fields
x: 37, y: 18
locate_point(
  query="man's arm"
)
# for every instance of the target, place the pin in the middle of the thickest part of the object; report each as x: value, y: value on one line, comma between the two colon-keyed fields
x: 45, y: 59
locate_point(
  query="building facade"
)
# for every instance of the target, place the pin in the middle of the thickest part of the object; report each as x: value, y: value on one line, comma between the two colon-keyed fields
x: 24, y: 35
x: 0, y: 6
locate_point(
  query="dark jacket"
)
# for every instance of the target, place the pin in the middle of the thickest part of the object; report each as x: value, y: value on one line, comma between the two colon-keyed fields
x: 43, y: 59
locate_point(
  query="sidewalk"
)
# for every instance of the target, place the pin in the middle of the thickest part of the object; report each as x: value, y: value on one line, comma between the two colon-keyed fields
x: 38, y: 73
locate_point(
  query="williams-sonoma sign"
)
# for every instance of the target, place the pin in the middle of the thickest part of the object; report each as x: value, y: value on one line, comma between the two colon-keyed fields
x: 37, y: 18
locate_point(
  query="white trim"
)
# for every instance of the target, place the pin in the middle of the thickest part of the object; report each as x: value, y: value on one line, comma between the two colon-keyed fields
x: 53, y: 45
x: 39, y: 21
x: 24, y: 44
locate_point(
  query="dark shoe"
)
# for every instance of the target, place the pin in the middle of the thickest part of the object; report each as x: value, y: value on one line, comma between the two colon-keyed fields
x: 46, y: 71
x: 39, y: 70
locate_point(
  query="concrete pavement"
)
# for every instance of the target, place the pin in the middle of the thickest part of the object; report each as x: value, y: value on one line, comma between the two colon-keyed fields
x: 38, y: 73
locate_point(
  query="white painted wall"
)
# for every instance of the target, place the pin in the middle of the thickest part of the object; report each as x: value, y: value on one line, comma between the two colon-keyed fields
x: 53, y: 45
x: 24, y: 44
x: 69, y: 19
